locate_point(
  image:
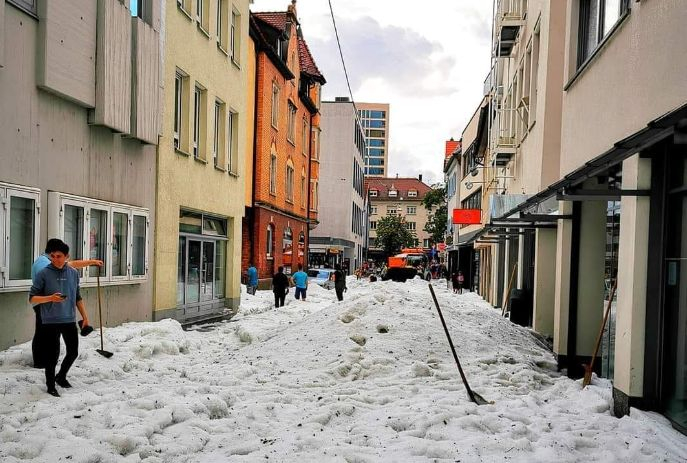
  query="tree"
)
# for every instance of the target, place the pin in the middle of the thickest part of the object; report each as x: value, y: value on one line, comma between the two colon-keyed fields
x: 436, y: 224
x: 392, y: 234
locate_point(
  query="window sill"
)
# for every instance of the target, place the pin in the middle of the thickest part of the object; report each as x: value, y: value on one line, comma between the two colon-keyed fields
x: 291, y: 142
x: 202, y: 30
x: 289, y: 201
x: 269, y: 257
x: 273, y: 193
x: 220, y: 168
x: 236, y: 63
x: 197, y: 159
x: 222, y: 50
x: 275, y: 127
x: 184, y: 12
x: 33, y: 14
x: 182, y: 152
x: 597, y: 51
x: 82, y: 284
x: 234, y: 174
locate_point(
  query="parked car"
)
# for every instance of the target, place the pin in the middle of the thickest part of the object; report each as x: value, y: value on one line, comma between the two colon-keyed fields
x: 322, y: 277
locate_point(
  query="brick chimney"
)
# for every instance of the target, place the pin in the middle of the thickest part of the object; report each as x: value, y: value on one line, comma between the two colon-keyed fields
x: 419, y: 177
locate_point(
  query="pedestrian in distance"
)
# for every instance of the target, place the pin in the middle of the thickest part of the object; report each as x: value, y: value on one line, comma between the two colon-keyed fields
x: 339, y: 282
x: 280, y: 287
x: 56, y: 292
x: 252, y: 274
x: 39, y: 264
x: 461, y: 280
x: 454, y: 282
x: 300, y: 279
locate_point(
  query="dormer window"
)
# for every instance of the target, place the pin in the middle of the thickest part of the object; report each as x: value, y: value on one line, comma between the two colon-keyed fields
x: 412, y: 193
x: 393, y: 193
x: 373, y: 193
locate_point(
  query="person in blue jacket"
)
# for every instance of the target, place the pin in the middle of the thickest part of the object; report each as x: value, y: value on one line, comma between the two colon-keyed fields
x: 300, y: 279
x: 39, y: 264
x: 252, y: 285
x: 56, y: 291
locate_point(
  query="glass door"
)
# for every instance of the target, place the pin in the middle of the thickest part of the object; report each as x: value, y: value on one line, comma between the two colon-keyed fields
x: 207, y: 271
x: 674, y: 374
x: 194, y: 268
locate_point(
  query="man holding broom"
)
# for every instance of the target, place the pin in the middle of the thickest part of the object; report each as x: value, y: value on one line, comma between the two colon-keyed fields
x: 56, y: 291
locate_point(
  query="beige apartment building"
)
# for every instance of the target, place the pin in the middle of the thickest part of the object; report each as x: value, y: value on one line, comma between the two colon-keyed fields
x: 590, y: 176
x: 374, y: 117
x: 79, y: 86
x: 397, y: 196
x: 201, y: 168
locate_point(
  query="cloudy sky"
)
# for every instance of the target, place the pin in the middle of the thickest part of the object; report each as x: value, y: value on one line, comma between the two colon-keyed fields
x: 428, y: 60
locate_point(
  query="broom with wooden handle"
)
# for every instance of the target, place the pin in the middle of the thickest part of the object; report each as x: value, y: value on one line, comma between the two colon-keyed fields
x: 588, y: 369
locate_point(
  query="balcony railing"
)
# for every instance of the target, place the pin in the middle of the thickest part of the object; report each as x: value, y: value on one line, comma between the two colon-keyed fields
x: 510, y: 16
x: 511, y: 10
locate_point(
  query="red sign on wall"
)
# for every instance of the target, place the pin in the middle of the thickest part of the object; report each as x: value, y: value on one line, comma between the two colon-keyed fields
x: 467, y: 216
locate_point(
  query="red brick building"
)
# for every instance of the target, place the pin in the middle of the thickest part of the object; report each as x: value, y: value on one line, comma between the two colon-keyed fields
x: 286, y: 149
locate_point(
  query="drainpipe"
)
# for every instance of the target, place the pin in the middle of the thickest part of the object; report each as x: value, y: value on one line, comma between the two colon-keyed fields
x: 306, y: 253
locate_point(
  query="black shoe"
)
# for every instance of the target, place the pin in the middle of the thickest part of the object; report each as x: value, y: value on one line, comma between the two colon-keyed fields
x: 53, y: 392
x: 62, y: 382
x: 38, y: 365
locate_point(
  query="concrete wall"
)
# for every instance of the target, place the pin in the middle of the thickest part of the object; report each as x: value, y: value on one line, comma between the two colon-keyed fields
x: 187, y: 182
x: 545, y: 283
x: 643, y: 54
x: 48, y: 143
x: 337, y: 155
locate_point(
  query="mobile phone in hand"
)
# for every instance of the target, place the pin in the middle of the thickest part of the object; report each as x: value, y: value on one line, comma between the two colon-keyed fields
x: 61, y: 296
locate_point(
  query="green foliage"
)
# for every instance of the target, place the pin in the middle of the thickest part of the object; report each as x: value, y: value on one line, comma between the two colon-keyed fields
x: 438, y: 218
x: 392, y: 234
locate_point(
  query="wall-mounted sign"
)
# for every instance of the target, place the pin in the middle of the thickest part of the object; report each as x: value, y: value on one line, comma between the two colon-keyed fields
x: 467, y: 216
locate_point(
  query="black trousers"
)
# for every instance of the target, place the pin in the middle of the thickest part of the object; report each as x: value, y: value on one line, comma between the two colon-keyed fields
x: 51, y: 349
x: 36, y: 343
x: 279, y: 299
x: 339, y: 293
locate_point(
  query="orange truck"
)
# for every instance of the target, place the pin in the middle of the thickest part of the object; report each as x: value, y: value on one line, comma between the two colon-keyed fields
x: 407, y: 264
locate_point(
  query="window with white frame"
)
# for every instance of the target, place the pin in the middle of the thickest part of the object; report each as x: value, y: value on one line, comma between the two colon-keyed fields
x: 217, y: 140
x: 394, y: 193
x: 179, y: 109
x: 391, y: 210
x: 235, y: 36
x: 373, y: 193
x: 411, y: 210
x: 197, y: 120
x: 289, y: 182
x: 373, y: 210
x: 303, y: 193
x: 19, y: 233
x: 117, y: 234
x: 410, y: 226
x: 304, y: 140
x: 291, y: 123
x: 373, y: 225
x: 232, y: 143
x: 269, y: 240
x: 222, y: 15
x: 275, y: 105
x: 411, y: 193
x: 273, y: 173
x: 202, y: 15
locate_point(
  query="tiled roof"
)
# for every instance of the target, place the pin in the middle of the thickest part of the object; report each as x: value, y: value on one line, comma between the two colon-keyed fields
x: 307, y: 62
x: 276, y: 19
x: 402, y: 185
x: 451, y: 147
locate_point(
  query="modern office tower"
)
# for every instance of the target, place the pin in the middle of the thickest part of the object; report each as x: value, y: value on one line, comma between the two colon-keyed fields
x: 374, y: 117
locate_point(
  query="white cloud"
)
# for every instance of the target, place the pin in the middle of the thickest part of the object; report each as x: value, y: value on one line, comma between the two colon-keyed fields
x: 427, y: 60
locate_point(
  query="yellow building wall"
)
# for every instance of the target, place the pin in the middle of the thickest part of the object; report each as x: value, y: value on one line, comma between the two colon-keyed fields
x: 182, y: 180
x: 250, y: 121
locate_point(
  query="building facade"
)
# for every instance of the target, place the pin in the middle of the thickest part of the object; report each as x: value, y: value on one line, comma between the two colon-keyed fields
x: 374, y: 117
x: 586, y: 155
x: 79, y: 130
x: 452, y: 164
x: 402, y: 197
x: 339, y: 238
x: 200, y: 178
x: 286, y: 145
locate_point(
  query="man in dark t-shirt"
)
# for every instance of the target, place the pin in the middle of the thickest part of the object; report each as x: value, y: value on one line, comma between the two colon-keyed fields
x: 280, y: 286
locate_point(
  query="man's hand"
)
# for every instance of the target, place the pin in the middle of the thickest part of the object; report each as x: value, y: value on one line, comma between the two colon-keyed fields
x: 96, y: 262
